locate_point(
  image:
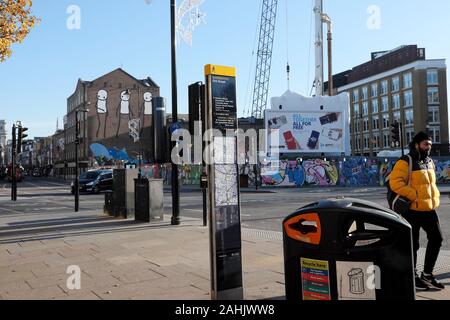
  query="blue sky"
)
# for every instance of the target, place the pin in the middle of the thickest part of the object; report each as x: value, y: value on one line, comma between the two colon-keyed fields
x: 134, y: 34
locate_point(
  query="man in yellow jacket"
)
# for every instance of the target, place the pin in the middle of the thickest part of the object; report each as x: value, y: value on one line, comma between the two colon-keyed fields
x: 425, y: 197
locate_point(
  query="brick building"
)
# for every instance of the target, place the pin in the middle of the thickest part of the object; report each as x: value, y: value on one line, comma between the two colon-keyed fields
x: 113, y: 100
x: 398, y: 85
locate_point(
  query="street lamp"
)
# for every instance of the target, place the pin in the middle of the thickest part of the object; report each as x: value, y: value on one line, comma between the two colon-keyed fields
x: 77, y: 143
x: 175, y: 183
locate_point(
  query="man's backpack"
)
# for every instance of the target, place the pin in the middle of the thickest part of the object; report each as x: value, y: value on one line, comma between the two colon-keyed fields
x: 397, y: 202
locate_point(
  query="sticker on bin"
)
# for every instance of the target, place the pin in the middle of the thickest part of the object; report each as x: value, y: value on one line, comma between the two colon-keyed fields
x: 356, y: 280
x: 305, y: 228
x: 315, y: 279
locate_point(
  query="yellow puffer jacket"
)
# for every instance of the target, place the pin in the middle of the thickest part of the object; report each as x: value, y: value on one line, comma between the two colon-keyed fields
x: 423, y: 190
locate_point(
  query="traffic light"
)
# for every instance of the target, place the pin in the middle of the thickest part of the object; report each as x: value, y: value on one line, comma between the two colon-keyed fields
x: 21, y: 138
x: 395, y: 132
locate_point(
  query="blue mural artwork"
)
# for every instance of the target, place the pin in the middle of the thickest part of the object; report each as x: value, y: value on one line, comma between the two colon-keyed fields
x: 105, y: 156
x: 442, y: 171
x: 357, y: 172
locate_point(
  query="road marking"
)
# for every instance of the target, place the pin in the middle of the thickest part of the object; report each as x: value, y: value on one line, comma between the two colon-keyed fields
x: 10, y: 210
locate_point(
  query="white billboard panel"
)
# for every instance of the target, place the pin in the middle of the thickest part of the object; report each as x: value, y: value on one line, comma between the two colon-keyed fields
x: 308, y: 125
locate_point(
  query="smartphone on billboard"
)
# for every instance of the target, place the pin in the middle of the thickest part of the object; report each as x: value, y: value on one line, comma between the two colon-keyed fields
x: 329, y: 118
x: 291, y: 142
x: 313, y: 140
x: 278, y: 122
x: 332, y: 134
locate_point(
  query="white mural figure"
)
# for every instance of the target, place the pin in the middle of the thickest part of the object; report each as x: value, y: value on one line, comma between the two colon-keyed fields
x: 147, y: 103
x: 146, y: 109
x: 124, y: 108
x: 102, y: 97
x: 125, y: 102
x: 102, y: 108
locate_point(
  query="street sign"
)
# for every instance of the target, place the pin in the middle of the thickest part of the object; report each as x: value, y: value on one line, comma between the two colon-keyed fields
x: 175, y: 126
x: 223, y: 185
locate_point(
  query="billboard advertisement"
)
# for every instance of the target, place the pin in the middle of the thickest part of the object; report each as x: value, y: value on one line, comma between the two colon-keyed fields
x: 319, y: 125
x: 305, y: 132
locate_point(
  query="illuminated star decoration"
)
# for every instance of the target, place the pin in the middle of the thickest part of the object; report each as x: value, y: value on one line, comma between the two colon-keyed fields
x: 189, y: 17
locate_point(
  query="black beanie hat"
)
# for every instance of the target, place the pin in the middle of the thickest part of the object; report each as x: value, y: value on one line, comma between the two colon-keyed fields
x: 421, y: 136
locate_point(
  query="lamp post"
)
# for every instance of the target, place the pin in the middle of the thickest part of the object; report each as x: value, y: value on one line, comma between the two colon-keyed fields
x: 175, y: 183
x: 77, y: 143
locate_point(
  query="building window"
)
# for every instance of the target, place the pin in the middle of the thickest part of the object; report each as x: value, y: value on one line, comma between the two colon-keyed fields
x: 374, y: 105
x: 409, y: 116
x: 432, y: 77
x: 433, y: 114
x: 374, y: 90
x: 396, y: 101
x: 395, y: 84
x: 397, y: 116
x: 409, y: 135
x: 376, y: 141
x: 433, y: 95
x: 375, y: 123
x: 355, y: 95
x: 357, y: 126
x: 408, y: 98
x: 407, y: 80
x: 384, y: 104
x: 385, y: 121
x: 386, y: 139
x: 384, y: 87
x: 366, y: 142
x: 356, y: 110
x: 365, y: 108
x: 435, y: 133
x: 366, y: 124
x: 365, y: 93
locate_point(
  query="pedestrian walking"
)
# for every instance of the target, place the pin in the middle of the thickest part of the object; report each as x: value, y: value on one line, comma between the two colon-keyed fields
x: 418, y: 185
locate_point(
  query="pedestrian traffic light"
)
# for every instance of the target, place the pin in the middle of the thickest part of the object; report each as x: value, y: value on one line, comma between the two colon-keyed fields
x: 395, y: 132
x: 21, y: 138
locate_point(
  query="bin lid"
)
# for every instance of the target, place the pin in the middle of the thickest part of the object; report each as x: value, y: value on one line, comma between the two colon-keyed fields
x: 352, y: 204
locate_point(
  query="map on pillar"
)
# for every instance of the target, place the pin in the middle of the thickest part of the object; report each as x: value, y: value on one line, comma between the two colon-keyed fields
x: 226, y: 185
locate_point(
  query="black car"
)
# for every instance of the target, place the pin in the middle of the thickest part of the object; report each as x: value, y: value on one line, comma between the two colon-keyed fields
x: 94, y: 181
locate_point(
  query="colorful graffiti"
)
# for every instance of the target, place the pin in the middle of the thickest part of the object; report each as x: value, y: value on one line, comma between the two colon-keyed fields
x: 320, y: 172
x: 353, y: 172
x: 107, y: 157
x: 357, y: 172
x: 385, y: 169
x: 442, y: 171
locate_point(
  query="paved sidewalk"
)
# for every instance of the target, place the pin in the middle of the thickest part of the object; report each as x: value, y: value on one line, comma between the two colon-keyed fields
x: 127, y: 260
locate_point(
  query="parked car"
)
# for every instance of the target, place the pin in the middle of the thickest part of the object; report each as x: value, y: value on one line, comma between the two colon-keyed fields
x: 94, y: 181
x: 37, y: 173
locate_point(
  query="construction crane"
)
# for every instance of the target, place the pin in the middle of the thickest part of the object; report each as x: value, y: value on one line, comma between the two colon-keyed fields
x: 264, y: 58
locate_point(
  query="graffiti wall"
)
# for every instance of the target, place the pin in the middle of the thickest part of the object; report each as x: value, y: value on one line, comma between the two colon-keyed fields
x: 353, y: 172
x: 348, y: 172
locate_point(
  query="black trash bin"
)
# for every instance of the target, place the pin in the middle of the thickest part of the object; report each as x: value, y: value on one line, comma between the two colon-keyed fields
x: 347, y: 249
x: 108, y: 208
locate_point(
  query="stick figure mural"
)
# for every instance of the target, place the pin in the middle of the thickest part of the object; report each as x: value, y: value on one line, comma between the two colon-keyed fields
x: 124, y: 108
x: 146, y: 108
x: 102, y: 108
